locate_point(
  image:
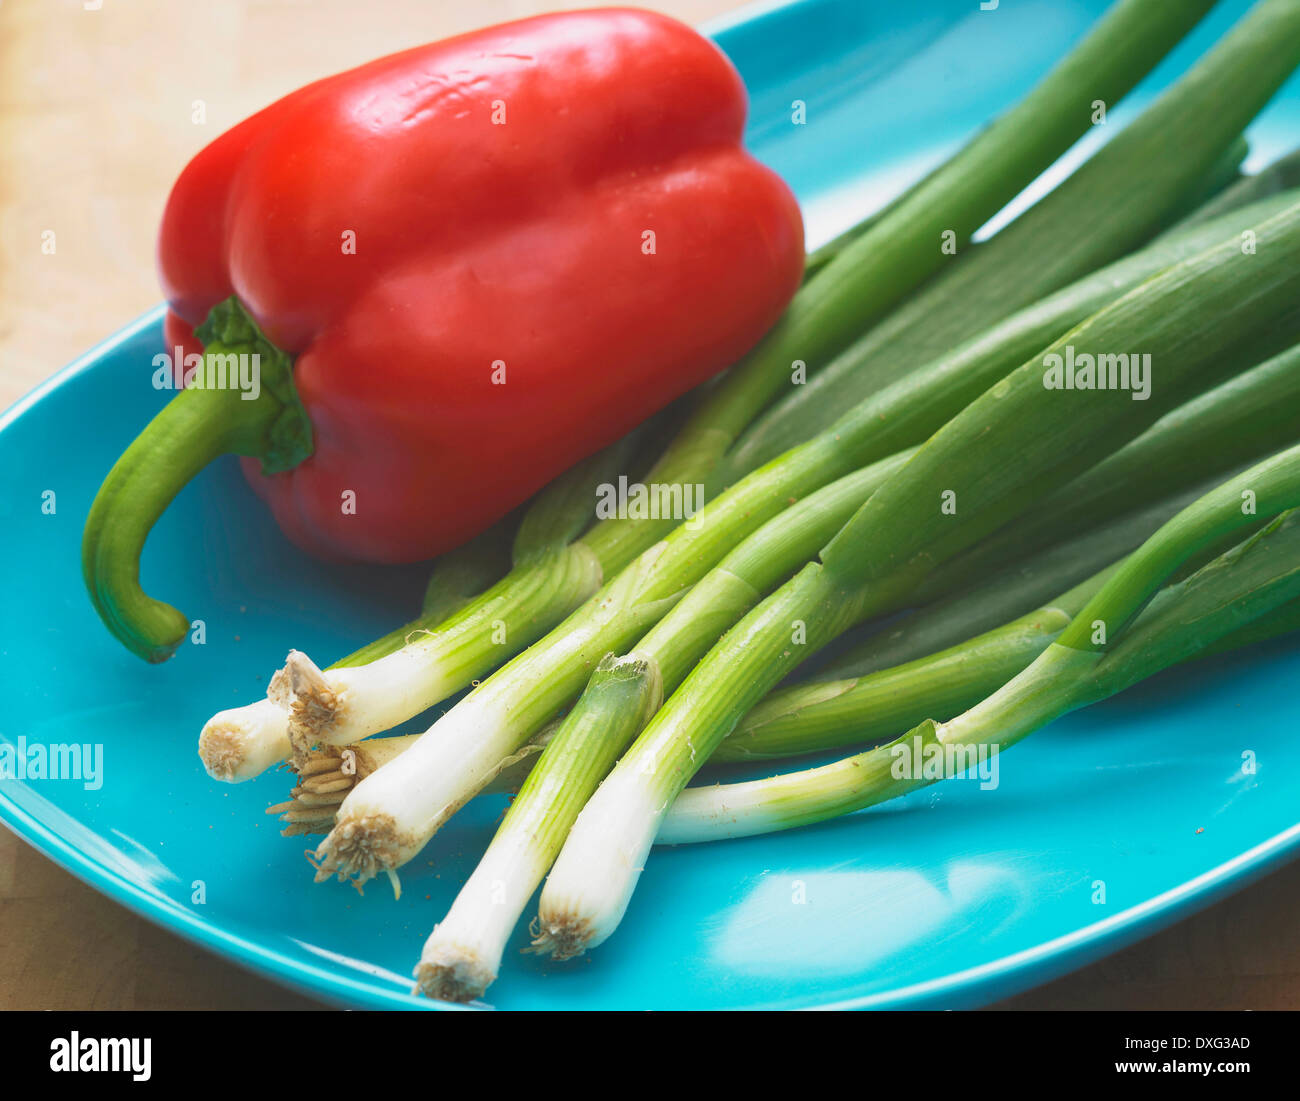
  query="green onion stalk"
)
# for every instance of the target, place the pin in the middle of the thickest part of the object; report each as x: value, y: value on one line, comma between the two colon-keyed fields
x: 1012, y: 446
x: 389, y: 816
x: 1123, y: 194
x: 1115, y: 640
x: 462, y: 955
x: 464, y: 951
x: 1224, y: 174
x: 896, y: 253
x: 1282, y: 175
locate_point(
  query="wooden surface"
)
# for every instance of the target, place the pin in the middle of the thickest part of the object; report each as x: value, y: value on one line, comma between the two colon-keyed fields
x: 96, y: 111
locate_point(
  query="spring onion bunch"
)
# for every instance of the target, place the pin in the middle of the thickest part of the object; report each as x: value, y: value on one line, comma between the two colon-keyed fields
x: 949, y: 650
x: 1248, y: 593
x: 1013, y: 445
x: 461, y: 956
x: 587, y: 744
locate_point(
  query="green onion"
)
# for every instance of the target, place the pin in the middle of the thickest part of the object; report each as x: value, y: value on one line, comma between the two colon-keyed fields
x: 1282, y: 175
x: 1007, y: 449
x: 1258, y: 578
x: 462, y: 955
x: 457, y: 577
x: 1113, y: 202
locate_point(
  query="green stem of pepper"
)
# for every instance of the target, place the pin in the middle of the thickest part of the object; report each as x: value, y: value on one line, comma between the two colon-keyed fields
x: 198, y: 425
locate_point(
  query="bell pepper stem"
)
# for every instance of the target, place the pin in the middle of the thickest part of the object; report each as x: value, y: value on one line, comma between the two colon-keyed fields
x: 202, y: 422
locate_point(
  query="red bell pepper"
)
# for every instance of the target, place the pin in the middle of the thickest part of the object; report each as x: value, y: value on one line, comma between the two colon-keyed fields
x: 464, y: 267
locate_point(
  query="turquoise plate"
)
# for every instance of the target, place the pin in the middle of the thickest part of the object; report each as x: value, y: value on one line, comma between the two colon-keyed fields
x: 1110, y: 824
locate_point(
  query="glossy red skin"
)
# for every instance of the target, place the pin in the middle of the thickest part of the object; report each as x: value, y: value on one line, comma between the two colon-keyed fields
x: 476, y: 243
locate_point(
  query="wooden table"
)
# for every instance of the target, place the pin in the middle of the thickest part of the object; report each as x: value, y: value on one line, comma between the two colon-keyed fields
x: 96, y: 119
